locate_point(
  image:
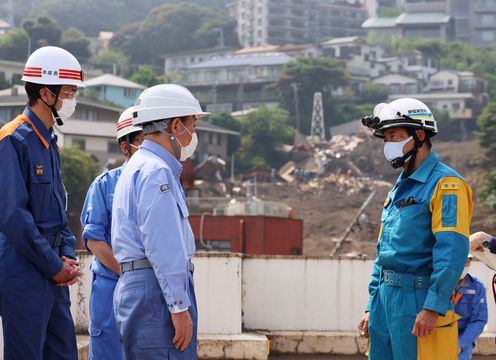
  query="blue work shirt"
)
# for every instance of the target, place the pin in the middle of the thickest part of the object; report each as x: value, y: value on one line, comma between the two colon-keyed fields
x: 425, y: 229
x: 96, y: 216
x: 150, y: 220
x: 33, y: 204
x: 472, y: 307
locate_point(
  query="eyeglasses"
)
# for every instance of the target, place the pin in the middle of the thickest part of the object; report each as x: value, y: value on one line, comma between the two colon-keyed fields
x: 139, y: 140
x: 71, y: 94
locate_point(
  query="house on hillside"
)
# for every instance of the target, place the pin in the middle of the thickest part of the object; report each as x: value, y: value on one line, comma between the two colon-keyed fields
x: 113, y: 89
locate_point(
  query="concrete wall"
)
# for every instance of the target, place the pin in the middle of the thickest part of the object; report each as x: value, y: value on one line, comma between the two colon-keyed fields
x: 273, y: 293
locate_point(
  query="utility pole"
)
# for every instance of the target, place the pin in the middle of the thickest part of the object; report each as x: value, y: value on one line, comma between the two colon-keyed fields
x: 296, y: 104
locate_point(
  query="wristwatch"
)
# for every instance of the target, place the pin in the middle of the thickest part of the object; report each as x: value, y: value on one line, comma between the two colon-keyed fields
x: 487, y: 243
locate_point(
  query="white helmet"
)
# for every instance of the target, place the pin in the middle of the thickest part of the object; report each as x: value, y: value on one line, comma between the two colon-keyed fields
x: 51, y: 65
x: 165, y: 101
x: 404, y: 112
x: 125, y: 123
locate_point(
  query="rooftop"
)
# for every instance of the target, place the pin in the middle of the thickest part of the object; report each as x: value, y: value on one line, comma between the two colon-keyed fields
x: 88, y: 128
x: 244, y: 60
x: 112, y: 80
x: 341, y: 40
x: 373, y: 23
x: 423, y: 18
x: 203, y: 125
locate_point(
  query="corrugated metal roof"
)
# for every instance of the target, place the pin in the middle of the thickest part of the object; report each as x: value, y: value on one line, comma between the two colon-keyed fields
x: 341, y: 40
x: 422, y: 18
x: 254, y: 60
x: 379, y: 23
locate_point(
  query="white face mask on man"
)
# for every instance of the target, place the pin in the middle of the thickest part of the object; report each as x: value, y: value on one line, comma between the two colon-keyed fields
x: 67, y: 109
x: 188, y: 150
x: 394, y: 150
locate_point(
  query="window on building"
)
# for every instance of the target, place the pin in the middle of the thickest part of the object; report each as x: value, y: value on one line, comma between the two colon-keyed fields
x: 456, y: 106
x: 411, y: 88
x: 85, y: 113
x: 487, y: 35
x: 79, y: 142
x: 445, y: 106
x: 486, y: 4
x: 129, y: 93
x: 395, y: 88
x: 215, y: 140
x: 487, y: 19
x: 113, y: 147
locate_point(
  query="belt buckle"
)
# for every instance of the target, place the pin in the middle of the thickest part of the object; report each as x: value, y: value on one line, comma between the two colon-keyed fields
x: 389, y: 277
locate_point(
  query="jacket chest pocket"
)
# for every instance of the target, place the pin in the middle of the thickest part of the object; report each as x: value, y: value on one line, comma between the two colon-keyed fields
x: 41, y: 194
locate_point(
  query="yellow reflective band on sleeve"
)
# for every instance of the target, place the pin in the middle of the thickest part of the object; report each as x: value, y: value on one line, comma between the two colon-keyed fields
x: 451, y: 206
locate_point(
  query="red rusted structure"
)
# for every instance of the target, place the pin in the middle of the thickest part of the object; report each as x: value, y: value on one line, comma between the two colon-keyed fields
x: 261, y: 235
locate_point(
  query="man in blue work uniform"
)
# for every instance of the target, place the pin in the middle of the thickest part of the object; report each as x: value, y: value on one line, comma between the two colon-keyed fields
x: 423, y: 242
x: 96, y: 219
x: 37, y: 258
x: 471, y: 305
x: 154, y: 301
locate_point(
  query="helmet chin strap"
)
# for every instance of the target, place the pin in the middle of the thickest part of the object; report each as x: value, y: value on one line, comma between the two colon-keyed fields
x: 410, y: 155
x: 128, y: 146
x: 53, y: 109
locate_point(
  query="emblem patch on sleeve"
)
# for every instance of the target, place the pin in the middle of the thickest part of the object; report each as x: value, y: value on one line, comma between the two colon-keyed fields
x: 163, y: 188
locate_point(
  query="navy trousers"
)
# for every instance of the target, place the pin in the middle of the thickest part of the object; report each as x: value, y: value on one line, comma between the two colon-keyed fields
x: 36, y: 316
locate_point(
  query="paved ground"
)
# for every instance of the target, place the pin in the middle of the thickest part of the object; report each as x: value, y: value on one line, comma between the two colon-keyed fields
x: 337, y: 357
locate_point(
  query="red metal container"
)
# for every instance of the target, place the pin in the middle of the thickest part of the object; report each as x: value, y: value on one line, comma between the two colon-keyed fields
x: 261, y: 235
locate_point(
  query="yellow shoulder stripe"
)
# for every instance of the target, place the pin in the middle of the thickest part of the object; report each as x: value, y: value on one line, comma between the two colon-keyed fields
x: 451, y: 206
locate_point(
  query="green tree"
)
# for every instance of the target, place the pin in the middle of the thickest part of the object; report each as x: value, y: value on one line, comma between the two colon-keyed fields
x: 14, y: 45
x: 76, y: 43
x: 309, y: 75
x: 79, y: 170
x: 227, y: 121
x: 263, y: 131
x: 171, y: 28
x: 373, y: 93
x: 486, y: 136
x: 42, y: 30
x: 145, y: 76
x: 108, y: 60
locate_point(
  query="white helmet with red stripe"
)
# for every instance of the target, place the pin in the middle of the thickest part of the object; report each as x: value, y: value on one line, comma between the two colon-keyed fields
x: 125, y: 124
x: 51, y: 65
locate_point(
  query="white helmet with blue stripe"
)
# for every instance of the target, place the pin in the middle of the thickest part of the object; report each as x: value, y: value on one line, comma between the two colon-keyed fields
x: 404, y: 112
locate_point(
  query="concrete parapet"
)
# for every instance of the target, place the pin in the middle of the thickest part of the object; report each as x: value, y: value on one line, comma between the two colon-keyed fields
x: 249, y: 346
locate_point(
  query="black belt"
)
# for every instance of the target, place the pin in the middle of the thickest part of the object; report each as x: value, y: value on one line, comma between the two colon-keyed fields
x: 54, y: 240
x: 145, y: 264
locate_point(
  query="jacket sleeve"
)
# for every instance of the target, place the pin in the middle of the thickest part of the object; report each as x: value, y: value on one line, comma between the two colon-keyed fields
x: 94, y: 216
x: 159, y: 221
x: 451, y: 208
x: 376, y: 276
x: 478, y: 319
x: 17, y: 222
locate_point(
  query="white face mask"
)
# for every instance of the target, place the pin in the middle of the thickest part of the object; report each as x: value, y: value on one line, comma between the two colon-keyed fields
x: 464, y: 272
x: 188, y: 150
x: 67, y: 109
x: 394, y: 150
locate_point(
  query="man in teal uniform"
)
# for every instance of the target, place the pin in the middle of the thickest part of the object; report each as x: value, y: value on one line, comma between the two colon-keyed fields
x: 423, y: 242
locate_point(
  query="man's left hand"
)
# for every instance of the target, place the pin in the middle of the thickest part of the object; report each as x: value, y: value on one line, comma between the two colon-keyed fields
x: 75, y: 272
x: 424, y: 323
